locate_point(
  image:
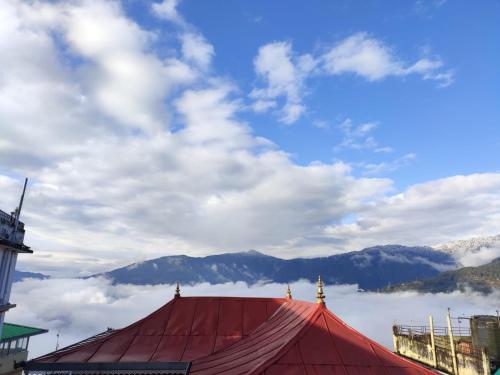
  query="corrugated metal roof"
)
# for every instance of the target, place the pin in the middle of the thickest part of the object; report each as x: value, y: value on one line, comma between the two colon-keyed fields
x: 11, y: 331
x: 184, y: 329
x: 223, y: 335
x: 305, y: 338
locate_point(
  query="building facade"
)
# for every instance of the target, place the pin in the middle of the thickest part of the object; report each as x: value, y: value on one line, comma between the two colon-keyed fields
x: 14, y: 338
x: 471, y: 347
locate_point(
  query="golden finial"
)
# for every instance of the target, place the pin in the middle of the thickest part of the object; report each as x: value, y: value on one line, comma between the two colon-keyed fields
x: 288, y: 294
x: 320, y: 296
x: 177, y: 291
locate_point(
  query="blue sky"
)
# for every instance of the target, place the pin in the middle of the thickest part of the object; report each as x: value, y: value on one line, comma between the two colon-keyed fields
x: 299, y: 129
x: 452, y: 130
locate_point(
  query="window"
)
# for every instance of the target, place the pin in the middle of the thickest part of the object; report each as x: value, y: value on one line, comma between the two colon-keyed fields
x: 24, y: 343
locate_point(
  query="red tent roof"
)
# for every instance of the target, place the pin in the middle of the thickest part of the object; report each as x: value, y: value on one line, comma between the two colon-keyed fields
x: 224, y: 335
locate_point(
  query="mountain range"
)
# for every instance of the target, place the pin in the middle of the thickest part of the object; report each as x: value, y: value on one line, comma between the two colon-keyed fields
x: 388, y: 268
x: 485, y: 279
x: 21, y: 275
x: 371, y: 268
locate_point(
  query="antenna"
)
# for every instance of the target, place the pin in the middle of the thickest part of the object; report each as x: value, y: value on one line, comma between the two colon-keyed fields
x: 18, y: 210
x: 57, y: 342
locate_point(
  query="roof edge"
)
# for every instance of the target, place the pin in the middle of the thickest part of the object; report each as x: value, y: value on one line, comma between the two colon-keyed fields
x: 109, y: 367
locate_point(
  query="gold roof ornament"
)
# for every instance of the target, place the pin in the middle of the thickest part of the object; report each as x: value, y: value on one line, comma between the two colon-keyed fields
x: 320, y: 296
x: 288, y: 294
x: 177, y: 291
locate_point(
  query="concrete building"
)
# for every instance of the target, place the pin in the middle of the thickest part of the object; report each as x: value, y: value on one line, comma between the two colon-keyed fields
x: 14, y: 338
x: 469, y: 349
x: 14, y: 346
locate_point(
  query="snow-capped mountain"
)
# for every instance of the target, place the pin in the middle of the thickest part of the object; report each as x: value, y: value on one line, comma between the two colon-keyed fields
x: 474, y: 251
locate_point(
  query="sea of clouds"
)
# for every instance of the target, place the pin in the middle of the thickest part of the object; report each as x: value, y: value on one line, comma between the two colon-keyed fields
x: 78, y: 308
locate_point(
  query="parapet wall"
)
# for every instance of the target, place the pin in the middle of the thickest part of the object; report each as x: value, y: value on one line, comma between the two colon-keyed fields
x: 420, y: 348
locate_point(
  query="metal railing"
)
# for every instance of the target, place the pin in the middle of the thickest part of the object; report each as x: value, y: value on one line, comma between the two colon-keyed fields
x: 410, y: 330
x: 8, y: 347
x: 461, y: 337
x: 9, y: 219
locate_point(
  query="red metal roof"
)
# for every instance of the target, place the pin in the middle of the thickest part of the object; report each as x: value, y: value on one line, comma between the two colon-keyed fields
x: 243, y: 336
x: 184, y: 329
x: 305, y: 338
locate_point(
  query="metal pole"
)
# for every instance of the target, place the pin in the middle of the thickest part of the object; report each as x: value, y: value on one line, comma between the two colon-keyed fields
x: 433, y: 343
x: 18, y: 213
x: 452, y: 344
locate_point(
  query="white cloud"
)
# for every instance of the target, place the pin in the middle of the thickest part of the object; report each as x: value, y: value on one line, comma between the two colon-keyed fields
x: 106, y: 66
x: 372, y: 59
x: 261, y: 106
x: 75, y: 308
x: 429, y: 213
x: 87, y: 112
x: 321, y: 124
x: 111, y: 183
x: 167, y: 10
x: 474, y: 251
x: 283, y: 73
x: 196, y: 49
x: 374, y: 169
x: 427, y: 8
x: 358, y: 137
x: 362, y: 55
x: 429, y: 70
x: 482, y: 256
x: 125, y: 81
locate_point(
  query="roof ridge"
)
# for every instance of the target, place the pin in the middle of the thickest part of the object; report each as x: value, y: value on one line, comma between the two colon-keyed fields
x: 311, y: 319
x: 236, y: 298
x: 283, y: 319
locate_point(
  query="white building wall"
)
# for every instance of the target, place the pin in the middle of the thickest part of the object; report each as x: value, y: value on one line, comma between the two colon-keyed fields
x: 8, y: 259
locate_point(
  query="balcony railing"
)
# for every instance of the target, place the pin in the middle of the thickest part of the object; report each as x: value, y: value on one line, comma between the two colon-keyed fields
x: 425, y: 330
x: 14, y: 346
x: 7, y: 223
x: 9, y: 219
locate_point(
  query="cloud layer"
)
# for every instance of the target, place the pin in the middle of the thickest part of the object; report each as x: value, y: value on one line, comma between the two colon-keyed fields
x: 75, y: 308
x: 460, y: 204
